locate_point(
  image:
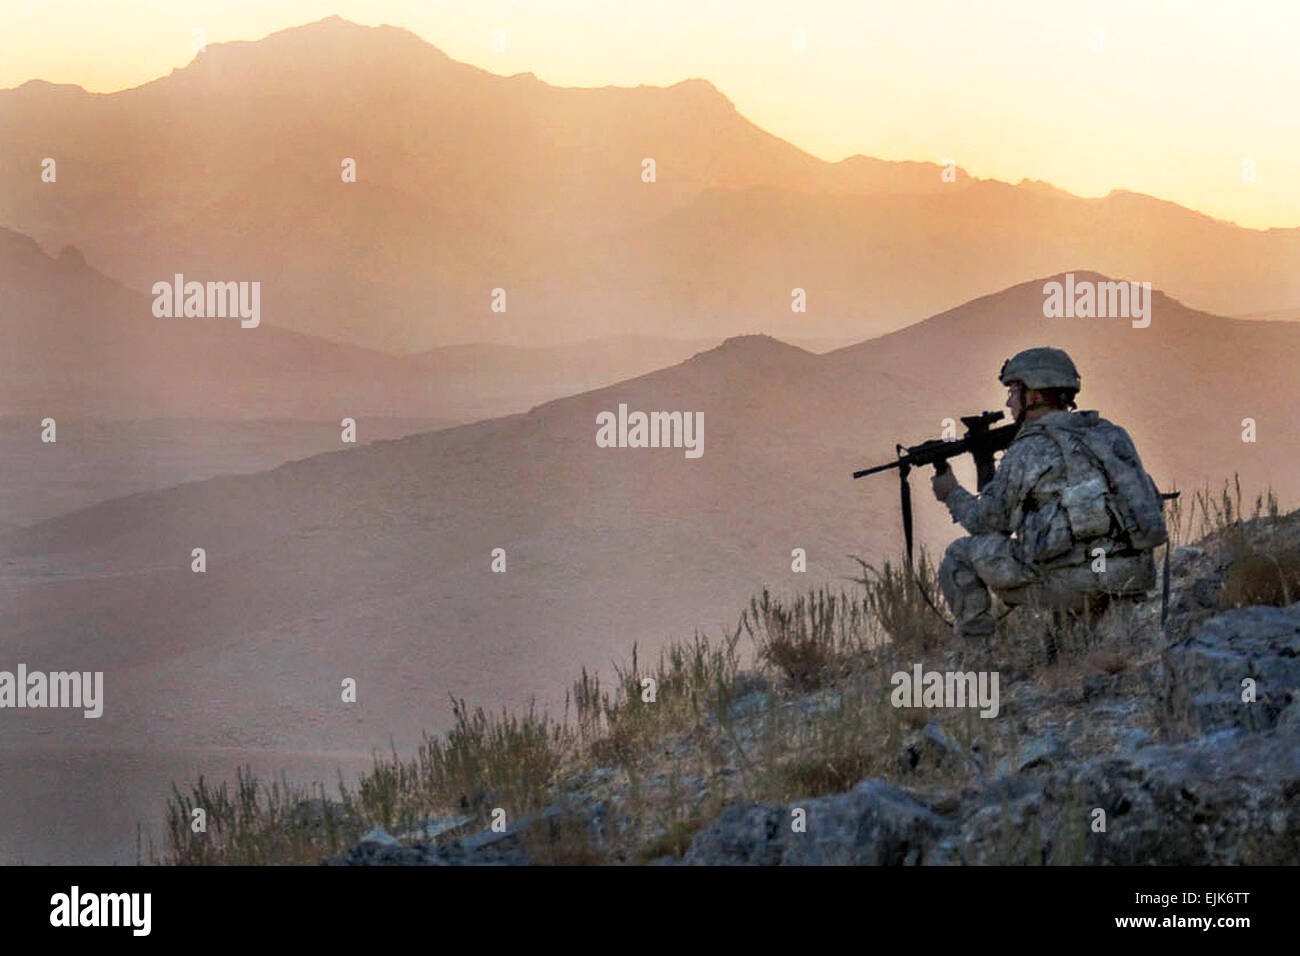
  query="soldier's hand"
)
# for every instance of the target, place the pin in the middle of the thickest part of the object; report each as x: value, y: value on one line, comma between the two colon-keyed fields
x: 943, y: 483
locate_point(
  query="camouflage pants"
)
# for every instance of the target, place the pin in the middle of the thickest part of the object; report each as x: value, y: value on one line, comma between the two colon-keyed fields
x: 970, y: 567
x: 973, y: 565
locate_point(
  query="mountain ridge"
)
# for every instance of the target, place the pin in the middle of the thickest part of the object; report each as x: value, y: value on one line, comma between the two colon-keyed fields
x: 467, y: 182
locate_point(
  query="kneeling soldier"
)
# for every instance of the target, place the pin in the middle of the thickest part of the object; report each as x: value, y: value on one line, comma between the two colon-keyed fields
x: 1070, y: 483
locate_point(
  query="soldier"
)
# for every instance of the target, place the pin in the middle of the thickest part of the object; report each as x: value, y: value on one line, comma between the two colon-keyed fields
x: 1069, y: 484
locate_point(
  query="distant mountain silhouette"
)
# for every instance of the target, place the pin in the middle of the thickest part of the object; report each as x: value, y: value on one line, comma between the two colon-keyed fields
x: 78, y: 344
x: 469, y: 182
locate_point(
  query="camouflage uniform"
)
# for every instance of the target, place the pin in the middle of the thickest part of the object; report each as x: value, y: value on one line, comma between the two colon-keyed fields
x: 1021, y: 544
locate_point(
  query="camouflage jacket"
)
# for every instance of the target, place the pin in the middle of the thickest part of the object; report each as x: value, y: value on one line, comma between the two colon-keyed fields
x: 1024, y: 500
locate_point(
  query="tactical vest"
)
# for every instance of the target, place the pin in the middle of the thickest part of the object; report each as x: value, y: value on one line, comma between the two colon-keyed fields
x: 1107, y: 491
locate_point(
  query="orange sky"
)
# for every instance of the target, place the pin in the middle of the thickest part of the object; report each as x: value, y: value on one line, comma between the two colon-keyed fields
x: 1176, y: 98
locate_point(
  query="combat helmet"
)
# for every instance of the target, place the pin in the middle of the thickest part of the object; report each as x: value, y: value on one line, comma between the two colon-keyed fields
x: 1040, y: 368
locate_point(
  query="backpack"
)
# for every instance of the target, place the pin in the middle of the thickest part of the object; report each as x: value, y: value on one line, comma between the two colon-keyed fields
x: 1108, y: 492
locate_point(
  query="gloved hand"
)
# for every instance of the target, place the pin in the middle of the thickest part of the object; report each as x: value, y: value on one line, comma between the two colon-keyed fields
x: 943, y: 483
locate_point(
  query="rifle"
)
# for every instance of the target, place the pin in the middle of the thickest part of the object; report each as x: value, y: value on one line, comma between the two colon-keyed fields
x: 981, y: 440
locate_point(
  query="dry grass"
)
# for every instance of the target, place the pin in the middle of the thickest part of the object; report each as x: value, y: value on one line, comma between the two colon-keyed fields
x: 1263, y: 577
x: 674, y: 842
x: 1261, y: 571
x: 483, y: 762
x: 1213, y: 514
x: 1108, y: 661
x: 811, y: 641
x: 822, y: 722
x: 666, y: 747
x: 257, y: 824
x: 562, y: 842
x: 897, y: 607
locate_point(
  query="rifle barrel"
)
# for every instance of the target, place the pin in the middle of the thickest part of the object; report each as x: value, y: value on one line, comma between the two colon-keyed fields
x: 871, y: 471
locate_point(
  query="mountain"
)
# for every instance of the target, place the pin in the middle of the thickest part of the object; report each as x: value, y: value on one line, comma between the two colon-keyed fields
x: 143, y: 402
x: 80, y: 344
x: 879, y: 263
x: 231, y: 167
x: 375, y: 563
x: 467, y: 182
x: 1278, y: 315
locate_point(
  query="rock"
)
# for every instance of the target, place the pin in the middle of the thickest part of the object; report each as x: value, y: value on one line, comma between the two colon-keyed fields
x: 750, y: 834
x: 380, y: 837
x: 486, y: 848
x: 1183, y: 557
x: 1135, y: 738
x: 491, y: 847
x: 933, y: 748
x: 378, y: 848
x: 1204, y: 672
x: 934, y: 736
x: 1206, y: 592
x: 873, y: 824
x: 1221, y: 800
x: 1036, y: 751
x: 1094, y: 685
x: 1290, y: 718
x: 433, y: 828
x: 1212, y: 801
x: 750, y: 704
x: 1040, y: 750
x: 1131, y: 681
x: 1002, y: 825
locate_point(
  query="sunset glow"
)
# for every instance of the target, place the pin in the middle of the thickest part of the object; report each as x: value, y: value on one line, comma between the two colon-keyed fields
x: 1177, y: 100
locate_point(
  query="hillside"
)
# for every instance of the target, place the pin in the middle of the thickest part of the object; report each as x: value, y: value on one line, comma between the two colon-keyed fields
x: 1132, y: 744
x: 375, y: 563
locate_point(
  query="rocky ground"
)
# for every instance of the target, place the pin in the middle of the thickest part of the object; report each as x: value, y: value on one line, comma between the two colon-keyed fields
x: 1139, y: 745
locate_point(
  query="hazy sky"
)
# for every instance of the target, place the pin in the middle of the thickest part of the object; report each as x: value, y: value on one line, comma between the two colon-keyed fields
x: 1167, y: 97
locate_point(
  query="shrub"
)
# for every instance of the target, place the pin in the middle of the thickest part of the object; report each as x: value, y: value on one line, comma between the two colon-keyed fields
x: 908, y: 609
x: 810, y: 639
x: 1261, y: 576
